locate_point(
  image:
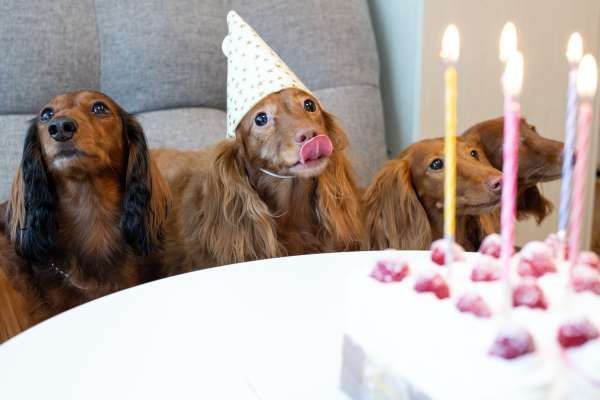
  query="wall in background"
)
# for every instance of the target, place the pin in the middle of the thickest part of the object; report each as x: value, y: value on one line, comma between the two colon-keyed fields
x: 398, y: 27
x: 544, y: 27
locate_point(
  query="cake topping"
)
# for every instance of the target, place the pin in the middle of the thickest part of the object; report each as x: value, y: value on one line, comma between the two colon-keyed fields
x: 529, y: 294
x: 391, y: 270
x: 491, y: 245
x: 512, y: 342
x: 485, y: 269
x: 432, y: 283
x: 590, y: 259
x: 473, y: 303
x: 537, y: 259
x: 576, y: 333
x: 439, y: 248
x: 585, y: 278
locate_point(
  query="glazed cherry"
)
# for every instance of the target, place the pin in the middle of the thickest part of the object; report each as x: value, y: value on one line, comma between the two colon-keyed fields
x: 390, y: 271
x: 439, y: 249
x: 485, y: 269
x: 537, y: 259
x: 474, y: 304
x: 530, y: 295
x: 576, y: 334
x: 433, y: 283
x: 585, y: 278
x: 491, y: 245
x: 512, y: 343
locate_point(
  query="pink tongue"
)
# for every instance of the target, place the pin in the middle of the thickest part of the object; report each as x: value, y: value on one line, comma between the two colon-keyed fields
x: 315, y: 148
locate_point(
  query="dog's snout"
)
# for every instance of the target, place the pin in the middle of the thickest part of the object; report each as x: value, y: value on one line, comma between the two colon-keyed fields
x: 494, y: 184
x: 62, y: 129
x: 304, y: 135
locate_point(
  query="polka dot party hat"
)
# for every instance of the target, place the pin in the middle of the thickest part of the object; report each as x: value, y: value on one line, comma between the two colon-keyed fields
x: 254, y: 71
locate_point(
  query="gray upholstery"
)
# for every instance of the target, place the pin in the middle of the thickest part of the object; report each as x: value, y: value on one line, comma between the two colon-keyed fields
x: 162, y: 59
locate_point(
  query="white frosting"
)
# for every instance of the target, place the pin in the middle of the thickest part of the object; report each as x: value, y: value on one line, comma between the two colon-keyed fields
x: 444, y: 352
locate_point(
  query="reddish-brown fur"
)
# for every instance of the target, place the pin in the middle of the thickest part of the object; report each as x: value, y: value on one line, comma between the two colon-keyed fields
x: 540, y: 160
x: 105, y: 223
x: 404, y: 203
x: 231, y: 211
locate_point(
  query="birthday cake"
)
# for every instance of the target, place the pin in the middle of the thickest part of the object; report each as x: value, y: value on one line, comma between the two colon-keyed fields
x: 416, y: 329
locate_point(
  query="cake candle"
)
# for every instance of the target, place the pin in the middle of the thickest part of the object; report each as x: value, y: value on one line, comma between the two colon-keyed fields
x: 450, y: 53
x: 574, y: 54
x: 587, y: 80
x: 512, y: 81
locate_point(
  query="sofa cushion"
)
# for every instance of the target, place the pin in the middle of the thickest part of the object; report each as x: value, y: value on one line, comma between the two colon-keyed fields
x: 183, y: 128
x: 48, y: 48
x: 160, y: 54
x: 12, y: 134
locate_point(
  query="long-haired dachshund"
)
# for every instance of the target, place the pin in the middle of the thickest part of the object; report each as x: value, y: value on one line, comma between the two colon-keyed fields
x: 540, y: 160
x: 404, y: 203
x: 265, y: 193
x: 89, y: 212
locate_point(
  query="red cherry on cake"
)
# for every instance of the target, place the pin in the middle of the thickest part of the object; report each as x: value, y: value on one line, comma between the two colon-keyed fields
x: 485, y: 269
x: 433, y: 283
x: 590, y: 259
x: 577, y: 333
x: 512, y: 343
x: 491, y: 245
x: 474, y: 304
x: 536, y: 259
x: 530, y: 295
x: 585, y: 278
x: 439, y: 249
x: 392, y: 270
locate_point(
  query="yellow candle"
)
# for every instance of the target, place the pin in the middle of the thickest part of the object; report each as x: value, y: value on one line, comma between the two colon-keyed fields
x: 450, y: 53
x: 451, y: 78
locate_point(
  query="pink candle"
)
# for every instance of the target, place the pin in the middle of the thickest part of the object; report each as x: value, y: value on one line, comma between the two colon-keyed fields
x: 512, y: 80
x: 586, y: 88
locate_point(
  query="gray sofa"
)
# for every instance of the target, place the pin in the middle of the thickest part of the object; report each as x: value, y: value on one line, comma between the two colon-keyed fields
x: 162, y: 60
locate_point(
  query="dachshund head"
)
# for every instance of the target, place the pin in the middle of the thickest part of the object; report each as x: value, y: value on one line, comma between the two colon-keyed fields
x: 75, y: 138
x: 540, y: 158
x: 289, y: 133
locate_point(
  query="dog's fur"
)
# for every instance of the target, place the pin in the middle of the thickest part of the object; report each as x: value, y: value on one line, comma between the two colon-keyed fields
x: 87, y: 216
x: 231, y: 211
x: 540, y: 160
x: 404, y: 203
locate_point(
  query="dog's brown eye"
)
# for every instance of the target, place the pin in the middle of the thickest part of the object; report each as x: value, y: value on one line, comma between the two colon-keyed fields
x: 46, y: 114
x: 436, y: 164
x: 475, y: 154
x: 261, y: 119
x: 99, y: 108
x: 310, y: 105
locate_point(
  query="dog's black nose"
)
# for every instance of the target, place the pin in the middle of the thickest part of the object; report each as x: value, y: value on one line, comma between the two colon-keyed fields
x: 62, y: 129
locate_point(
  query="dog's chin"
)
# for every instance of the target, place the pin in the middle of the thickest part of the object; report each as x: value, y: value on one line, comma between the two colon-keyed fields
x: 480, y: 208
x: 309, y: 169
x: 69, y: 159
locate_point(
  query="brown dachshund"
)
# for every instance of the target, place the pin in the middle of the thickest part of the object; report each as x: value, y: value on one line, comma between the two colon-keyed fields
x: 233, y: 209
x: 540, y: 160
x: 404, y: 203
x: 89, y: 212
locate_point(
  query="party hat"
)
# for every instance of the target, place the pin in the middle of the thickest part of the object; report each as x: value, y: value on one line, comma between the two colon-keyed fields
x: 254, y: 71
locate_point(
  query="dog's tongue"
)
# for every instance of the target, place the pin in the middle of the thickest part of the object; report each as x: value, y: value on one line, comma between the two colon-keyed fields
x: 315, y: 148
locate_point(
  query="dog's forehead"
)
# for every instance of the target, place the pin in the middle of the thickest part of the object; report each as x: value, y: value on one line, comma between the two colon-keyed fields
x: 75, y: 99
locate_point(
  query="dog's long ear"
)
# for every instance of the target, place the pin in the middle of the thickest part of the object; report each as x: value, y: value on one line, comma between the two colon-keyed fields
x: 531, y: 203
x: 395, y: 217
x: 338, y: 196
x: 147, y: 198
x: 237, y: 225
x: 30, y: 213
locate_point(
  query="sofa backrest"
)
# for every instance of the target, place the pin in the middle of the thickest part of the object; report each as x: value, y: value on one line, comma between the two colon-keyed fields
x: 154, y: 55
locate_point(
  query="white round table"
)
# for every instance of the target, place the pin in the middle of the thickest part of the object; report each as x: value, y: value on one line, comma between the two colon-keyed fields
x: 263, y: 330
